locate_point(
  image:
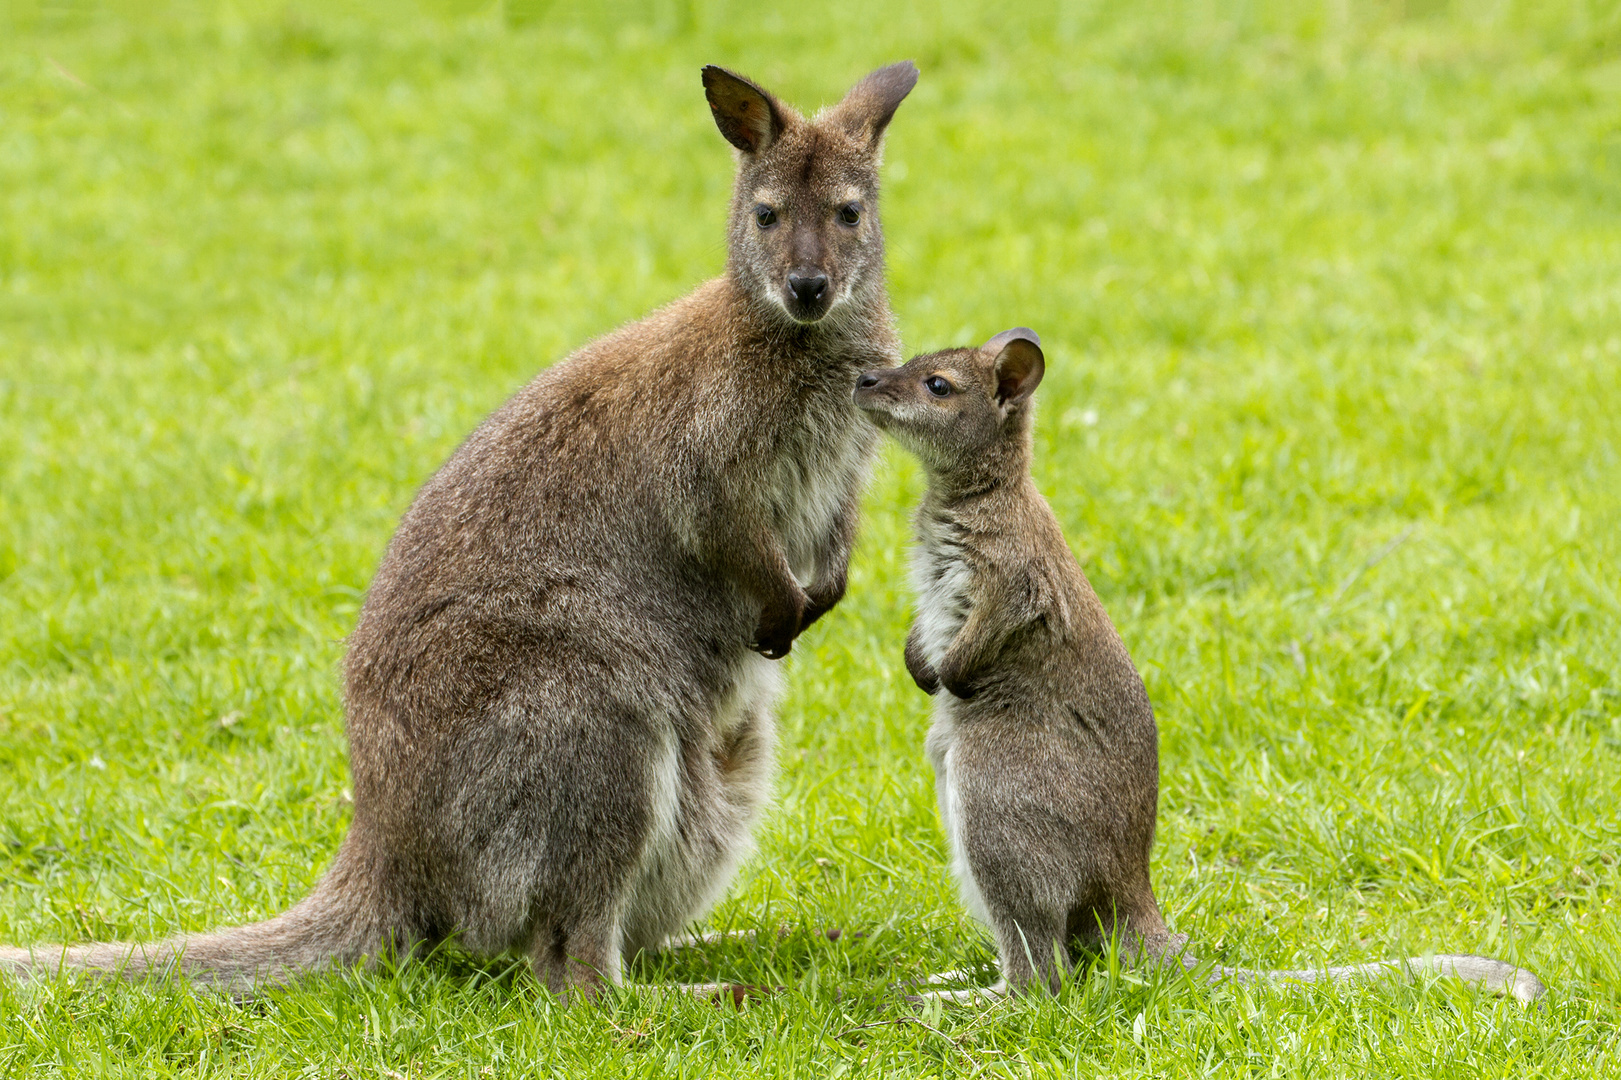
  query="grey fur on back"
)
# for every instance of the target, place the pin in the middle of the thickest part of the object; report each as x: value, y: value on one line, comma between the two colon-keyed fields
x: 1044, y: 744
x: 559, y: 694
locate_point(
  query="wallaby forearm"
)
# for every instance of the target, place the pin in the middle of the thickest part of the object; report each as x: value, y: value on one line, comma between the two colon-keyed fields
x: 977, y: 649
x: 757, y: 562
x: 917, y: 665
x: 970, y: 655
x: 833, y: 567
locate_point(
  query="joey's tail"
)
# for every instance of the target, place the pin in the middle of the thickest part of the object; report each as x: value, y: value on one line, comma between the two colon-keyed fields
x: 1493, y: 975
x: 1159, y: 947
x: 340, y: 921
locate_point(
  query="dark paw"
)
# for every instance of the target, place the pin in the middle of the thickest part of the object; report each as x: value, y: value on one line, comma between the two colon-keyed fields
x: 927, y: 681
x: 821, y: 601
x: 774, y: 648
x: 777, y: 630
x: 813, y: 611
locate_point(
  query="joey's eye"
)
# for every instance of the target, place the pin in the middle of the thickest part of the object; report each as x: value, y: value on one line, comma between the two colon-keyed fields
x: 850, y: 213
x: 937, y: 386
x: 766, y: 216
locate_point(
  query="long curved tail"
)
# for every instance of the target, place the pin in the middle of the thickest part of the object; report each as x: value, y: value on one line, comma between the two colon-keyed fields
x: 1493, y: 975
x: 339, y: 921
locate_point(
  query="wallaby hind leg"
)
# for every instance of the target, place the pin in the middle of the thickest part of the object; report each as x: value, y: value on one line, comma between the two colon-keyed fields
x: 577, y: 962
x: 1032, y: 949
x: 1132, y: 925
x: 1033, y: 955
x: 580, y: 964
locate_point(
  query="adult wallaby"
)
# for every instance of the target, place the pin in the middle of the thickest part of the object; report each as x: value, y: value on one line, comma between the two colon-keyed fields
x: 559, y: 694
x: 1044, y: 747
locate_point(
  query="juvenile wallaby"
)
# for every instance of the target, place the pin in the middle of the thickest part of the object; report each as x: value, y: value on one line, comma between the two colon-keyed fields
x: 1044, y: 747
x: 559, y: 694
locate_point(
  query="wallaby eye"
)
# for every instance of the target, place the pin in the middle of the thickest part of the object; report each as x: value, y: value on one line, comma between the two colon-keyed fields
x: 850, y: 213
x: 766, y: 216
x: 937, y: 386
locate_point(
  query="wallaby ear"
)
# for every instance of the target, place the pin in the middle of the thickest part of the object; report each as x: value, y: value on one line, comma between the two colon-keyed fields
x: 749, y: 117
x: 869, y: 106
x: 1019, y: 364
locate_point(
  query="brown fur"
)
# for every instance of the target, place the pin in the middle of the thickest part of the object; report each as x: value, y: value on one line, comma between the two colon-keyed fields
x: 559, y: 694
x: 1044, y: 744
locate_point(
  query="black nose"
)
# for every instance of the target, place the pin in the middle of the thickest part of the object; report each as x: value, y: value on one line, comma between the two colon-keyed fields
x: 868, y: 380
x: 807, y: 289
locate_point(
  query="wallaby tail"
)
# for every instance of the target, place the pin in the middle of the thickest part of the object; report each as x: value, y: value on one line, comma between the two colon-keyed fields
x: 1493, y: 975
x: 338, y: 922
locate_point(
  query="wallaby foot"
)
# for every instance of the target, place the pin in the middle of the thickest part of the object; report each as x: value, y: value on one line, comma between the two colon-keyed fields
x: 972, y: 995
x: 716, y: 993
x: 1158, y: 950
x: 716, y: 937
x: 1030, y: 961
x: 1032, y: 951
x: 713, y: 937
x: 579, y: 964
x: 734, y: 994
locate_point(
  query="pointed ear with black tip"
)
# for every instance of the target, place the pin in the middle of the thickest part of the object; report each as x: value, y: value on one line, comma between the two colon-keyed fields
x: 870, y: 105
x: 1019, y: 364
x: 749, y: 117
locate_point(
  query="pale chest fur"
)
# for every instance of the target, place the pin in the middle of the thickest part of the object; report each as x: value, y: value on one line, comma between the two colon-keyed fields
x: 820, y: 474
x: 943, y: 581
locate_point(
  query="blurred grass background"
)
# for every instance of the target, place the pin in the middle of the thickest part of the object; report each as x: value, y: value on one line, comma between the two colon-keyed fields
x: 1331, y: 294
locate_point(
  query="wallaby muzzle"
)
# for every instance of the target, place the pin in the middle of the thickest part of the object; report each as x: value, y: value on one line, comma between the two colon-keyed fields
x: 807, y: 295
x: 874, y: 393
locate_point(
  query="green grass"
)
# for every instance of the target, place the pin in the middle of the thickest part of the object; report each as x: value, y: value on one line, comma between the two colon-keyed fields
x: 1331, y: 295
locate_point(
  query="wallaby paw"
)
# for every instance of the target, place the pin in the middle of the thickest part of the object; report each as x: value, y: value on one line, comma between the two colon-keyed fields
x: 773, y: 649
x: 819, y: 602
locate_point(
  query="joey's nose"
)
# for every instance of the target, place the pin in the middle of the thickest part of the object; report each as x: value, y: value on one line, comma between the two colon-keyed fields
x: 807, y: 289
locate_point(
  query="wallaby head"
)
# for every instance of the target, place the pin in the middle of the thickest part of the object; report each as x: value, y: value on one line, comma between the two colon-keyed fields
x: 804, y: 235
x: 965, y: 413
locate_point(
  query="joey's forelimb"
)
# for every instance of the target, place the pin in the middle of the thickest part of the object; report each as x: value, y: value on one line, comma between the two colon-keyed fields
x: 917, y: 665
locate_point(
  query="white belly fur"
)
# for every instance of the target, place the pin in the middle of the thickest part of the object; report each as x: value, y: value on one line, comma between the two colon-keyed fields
x: 684, y: 871
x: 942, y: 585
x: 941, y: 747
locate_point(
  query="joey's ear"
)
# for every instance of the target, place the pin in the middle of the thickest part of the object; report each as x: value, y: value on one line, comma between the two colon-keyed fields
x: 869, y: 106
x: 1019, y: 364
x: 749, y: 117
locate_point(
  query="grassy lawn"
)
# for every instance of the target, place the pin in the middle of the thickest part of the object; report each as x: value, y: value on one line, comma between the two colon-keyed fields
x: 1331, y: 296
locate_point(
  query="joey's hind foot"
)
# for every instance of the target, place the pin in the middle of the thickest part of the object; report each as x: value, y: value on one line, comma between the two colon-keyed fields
x: 973, y: 995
